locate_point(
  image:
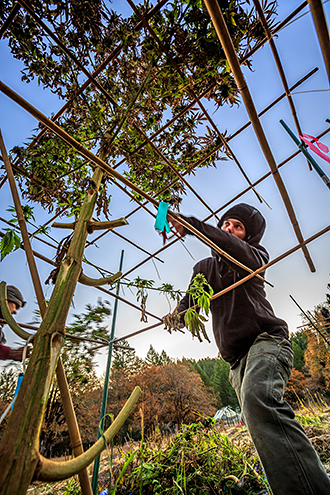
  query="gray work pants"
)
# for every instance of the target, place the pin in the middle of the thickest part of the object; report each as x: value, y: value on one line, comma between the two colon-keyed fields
x: 289, y: 460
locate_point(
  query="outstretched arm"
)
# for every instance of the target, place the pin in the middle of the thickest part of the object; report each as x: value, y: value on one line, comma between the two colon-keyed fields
x: 177, y: 225
x: 9, y: 353
x: 251, y: 256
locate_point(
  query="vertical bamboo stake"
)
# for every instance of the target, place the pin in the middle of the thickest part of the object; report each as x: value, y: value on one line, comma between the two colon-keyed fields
x: 70, y: 416
x: 228, y: 47
x: 106, y: 382
x: 279, y: 67
x: 322, y: 31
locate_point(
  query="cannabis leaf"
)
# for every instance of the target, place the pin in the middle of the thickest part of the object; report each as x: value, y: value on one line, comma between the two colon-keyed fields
x: 10, y: 242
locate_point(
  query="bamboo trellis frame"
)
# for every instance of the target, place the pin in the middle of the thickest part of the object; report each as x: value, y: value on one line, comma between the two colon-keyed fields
x: 159, y: 5
x: 91, y: 79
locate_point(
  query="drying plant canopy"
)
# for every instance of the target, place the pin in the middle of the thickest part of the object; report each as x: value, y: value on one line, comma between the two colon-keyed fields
x: 185, y: 55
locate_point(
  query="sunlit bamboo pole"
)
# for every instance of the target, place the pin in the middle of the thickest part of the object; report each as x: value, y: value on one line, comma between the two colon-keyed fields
x: 227, y: 44
x: 279, y: 67
x: 70, y: 416
x: 322, y: 31
x: 280, y: 26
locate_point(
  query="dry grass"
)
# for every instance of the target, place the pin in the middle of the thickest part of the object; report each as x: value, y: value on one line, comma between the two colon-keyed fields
x: 316, y: 421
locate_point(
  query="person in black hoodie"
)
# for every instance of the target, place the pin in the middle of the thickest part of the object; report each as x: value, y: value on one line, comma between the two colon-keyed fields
x: 255, y: 343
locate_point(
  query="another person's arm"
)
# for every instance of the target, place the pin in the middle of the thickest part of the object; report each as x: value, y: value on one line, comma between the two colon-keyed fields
x: 9, y: 353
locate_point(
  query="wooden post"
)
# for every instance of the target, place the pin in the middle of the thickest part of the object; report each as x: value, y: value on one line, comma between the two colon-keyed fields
x: 228, y: 47
x: 322, y: 31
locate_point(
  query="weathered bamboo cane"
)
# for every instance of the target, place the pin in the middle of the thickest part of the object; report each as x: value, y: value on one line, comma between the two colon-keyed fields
x: 322, y: 31
x: 227, y: 44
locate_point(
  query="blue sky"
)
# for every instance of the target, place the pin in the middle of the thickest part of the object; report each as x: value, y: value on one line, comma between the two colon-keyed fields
x: 299, y: 51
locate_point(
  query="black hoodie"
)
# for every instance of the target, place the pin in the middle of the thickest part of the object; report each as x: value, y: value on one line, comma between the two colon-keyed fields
x: 243, y: 313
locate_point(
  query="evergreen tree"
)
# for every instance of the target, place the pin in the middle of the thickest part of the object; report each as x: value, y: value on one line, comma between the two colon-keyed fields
x: 156, y: 359
x: 208, y: 366
x: 126, y: 359
x: 165, y: 359
x: 222, y: 386
x: 206, y: 379
x: 298, y: 356
x: 299, y: 345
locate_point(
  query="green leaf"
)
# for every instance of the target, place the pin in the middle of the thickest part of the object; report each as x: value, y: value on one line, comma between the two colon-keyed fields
x: 10, y: 242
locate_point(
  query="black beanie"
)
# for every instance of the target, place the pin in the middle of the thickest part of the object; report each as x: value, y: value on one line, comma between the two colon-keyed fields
x: 250, y: 217
x: 14, y: 295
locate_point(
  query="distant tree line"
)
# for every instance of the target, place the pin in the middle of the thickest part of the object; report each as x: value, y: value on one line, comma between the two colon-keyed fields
x: 310, y: 377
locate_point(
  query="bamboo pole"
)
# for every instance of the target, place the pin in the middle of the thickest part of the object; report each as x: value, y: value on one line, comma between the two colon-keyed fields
x: 224, y: 37
x: 10, y: 18
x: 322, y: 331
x: 279, y: 67
x: 105, y: 167
x: 70, y: 416
x: 322, y: 31
x: 280, y: 26
x: 296, y: 153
